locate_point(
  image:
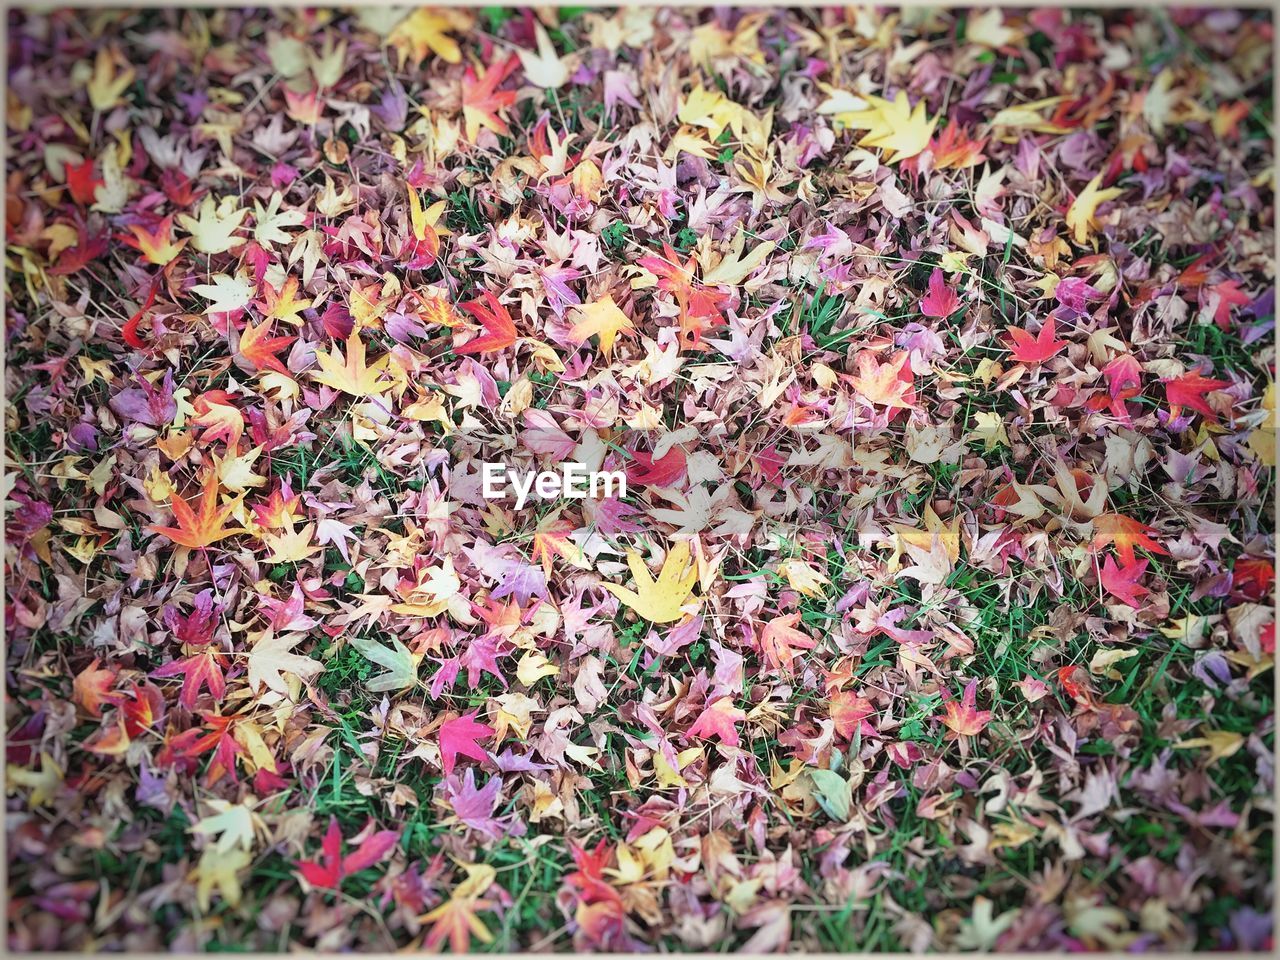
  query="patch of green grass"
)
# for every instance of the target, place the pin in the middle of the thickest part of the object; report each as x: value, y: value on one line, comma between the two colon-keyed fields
x: 820, y: 314
x: 615, y: 235
x: 464, y: 214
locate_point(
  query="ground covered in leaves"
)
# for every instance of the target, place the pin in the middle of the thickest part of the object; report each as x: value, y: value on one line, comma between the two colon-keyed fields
x: 936, y: 350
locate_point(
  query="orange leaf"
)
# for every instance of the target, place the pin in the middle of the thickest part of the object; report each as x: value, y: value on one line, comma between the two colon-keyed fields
x: 1126, y: 533
x: 260, y: 348
x: 780, y: 640
x: 199, y: 529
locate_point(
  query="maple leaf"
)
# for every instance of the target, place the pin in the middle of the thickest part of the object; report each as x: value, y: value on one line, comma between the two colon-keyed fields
x: 158, y: 247
x: 665, y: 471
x: 426, y: 31
x: 1221, y: 744
x: 1122, y: 581
x: 1083, y: 210
x: 888, y: 384
x: 92, y: 688
x: 283, y: 304
x: 350, y: 374
x: 941, y: 300
x: 717, y: 720
x: 455, y: 920
x: 482, y: 100
x: 953, y: 149
x: 894, y: 126
x: 545, y: 68
x: 1028, y: 348
x: 271, y: 656
x: 235, y: 824
x: 601, y: 318
x: 458, y: 737
x: 198, y: 671
x: 107, y: 84
x: 780, y: 640
x: 226, y: 294
x: 43, y: 785
x: 81, y: 182
x: 260, y: 348
x: 964, y: 718
x: 400, y: 665
x: 198, y: 529
x: 849, y: 712
x: 219, y: 421
x: 1226, y: 295
x: 733, y: 267
x: 474, y: 806
x: 219, y: 870
x: 332, y: 868
x: 1189, y: 391
x: 1126, y: 533
x: 499, y: 328
x: 659, y: 600
x: 213, y: 228
x: 270, y: 221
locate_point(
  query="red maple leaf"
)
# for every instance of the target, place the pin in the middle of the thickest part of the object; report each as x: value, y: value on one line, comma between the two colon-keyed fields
x: 130, y: 329
x: 1229, y: 295
x: 1075, y: 681
x: 1189, y: 390
x: 458, y: 737
x: 942, y: 300
x: 718, y: 720
x: 81, y: 182
x: 482, y: 100
x: 1026, y: 348
x: 500, y: 329
x: 1122, y: 581
x: 329, y: 871
x: 87, y: 249
x: 191, y: 744
x: 663, y: 472
x: 198, y: 671
x: 1124, y: 382
x: 1252, y: 577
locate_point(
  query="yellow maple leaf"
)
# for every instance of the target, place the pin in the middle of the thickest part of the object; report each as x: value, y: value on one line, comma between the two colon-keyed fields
x: 106, y: 86
x: 1084, y: 208
x: 217, y: 871
x: 43, y: 785
x: 733, y: 267
x: 426, y: 31
x: 894, y: 126
x: 1221, y: 744
x: 661, y: 600
x: 236, y: 472
x: 291, y: 546
x: 1262, y: 438
x: 351, y: 375
x: 601, y: 318
x: 213, y: 226
x: 710, y: 109
x: 544, y: 68
x: 803, y: 577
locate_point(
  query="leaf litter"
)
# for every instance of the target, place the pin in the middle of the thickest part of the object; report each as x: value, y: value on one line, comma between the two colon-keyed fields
x: 936, y: 347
